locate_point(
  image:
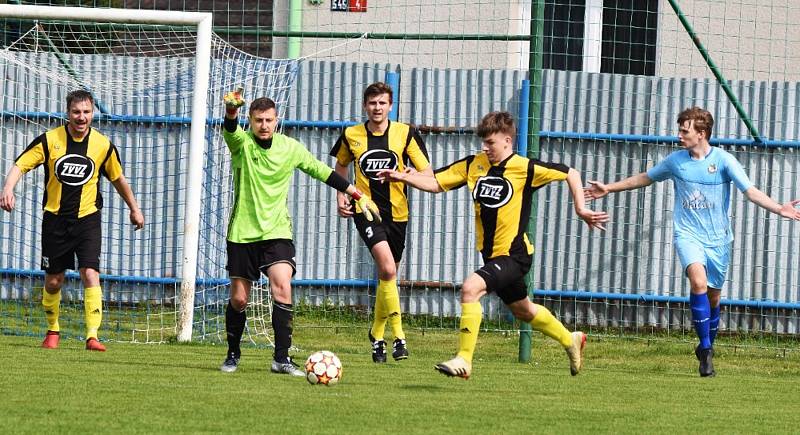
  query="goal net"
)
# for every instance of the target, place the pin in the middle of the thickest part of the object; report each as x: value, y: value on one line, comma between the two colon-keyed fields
x: 144, y: 78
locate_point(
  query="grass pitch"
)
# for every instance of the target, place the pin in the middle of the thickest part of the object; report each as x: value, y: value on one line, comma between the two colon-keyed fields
x: 627, y: 386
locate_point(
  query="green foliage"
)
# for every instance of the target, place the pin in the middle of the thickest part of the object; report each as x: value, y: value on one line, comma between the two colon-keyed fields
x: 628, y: 386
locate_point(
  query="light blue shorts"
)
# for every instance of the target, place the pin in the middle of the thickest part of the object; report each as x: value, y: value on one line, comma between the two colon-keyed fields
x: 715, y: 259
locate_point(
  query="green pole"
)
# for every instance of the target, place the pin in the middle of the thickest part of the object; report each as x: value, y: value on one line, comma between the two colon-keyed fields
x: 534, y: 107
x: 717, y: 73
x: 295, y: 25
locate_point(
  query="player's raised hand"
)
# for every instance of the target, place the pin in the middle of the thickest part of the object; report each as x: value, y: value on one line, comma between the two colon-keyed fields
x: 595, y: 190
x: 7, y: 200
x: 233, y: 99
x: 790, y: 211
x: 595, y: 219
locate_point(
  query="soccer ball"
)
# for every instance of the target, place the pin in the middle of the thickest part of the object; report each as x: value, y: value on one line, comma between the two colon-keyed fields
x: 323, y: 367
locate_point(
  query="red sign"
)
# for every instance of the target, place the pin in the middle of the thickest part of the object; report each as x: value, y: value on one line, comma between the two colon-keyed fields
x: 358, y: 6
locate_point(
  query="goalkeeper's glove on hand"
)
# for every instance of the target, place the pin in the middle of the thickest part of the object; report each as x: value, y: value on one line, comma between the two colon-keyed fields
x: 233, y: 99
x: 367, y: 207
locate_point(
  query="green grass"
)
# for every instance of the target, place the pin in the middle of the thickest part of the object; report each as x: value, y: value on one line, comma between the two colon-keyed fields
x: 628, y: 386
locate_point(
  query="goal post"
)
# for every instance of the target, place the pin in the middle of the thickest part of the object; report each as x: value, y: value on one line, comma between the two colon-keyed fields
x: 203, y: 24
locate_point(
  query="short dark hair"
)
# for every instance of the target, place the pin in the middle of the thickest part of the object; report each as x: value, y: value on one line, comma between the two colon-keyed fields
x: 496, y: 122
x: 378, y: 88
x: 260, y: 105
x: 79, y: 95
x: 703, y: 121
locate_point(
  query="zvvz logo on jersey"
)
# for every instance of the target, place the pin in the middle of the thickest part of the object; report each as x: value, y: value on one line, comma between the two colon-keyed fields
x: 74, y: 169
x: 374, y: 161
x: 492, y: 192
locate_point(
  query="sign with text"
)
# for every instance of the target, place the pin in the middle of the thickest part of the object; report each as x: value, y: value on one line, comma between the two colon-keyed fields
x: 349, y: 5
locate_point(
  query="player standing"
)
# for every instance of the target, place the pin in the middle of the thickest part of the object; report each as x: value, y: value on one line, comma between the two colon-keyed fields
x: 375, y: 145
x: 74, y: 156
x: 502, y: 185
x: 701, y: 176
x: 260, y: 230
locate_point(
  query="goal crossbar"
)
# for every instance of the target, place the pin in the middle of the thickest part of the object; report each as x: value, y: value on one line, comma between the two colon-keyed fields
x: 203, y: 22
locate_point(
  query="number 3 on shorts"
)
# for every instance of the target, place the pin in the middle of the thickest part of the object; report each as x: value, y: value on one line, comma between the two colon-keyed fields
x: 369, y: 232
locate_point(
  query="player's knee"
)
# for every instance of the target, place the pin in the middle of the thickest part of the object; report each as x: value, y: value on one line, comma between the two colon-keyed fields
x: 281, y: 292
x: 713, y: 298
x: 90, y: 277
x: 387, y: 272
x: 54, y: 282
x: 523, y: 313
x: 239, y: 303
x: 470, y: 293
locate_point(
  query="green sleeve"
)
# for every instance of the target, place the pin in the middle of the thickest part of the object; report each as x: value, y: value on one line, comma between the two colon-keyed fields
x: 309, y: 164
x: 235, y: 140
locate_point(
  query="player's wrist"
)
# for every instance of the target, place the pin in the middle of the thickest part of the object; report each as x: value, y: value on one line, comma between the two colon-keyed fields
x: 356, y: 195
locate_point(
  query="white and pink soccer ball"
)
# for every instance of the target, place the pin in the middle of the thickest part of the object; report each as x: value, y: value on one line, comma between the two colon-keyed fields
x: 324, y: 368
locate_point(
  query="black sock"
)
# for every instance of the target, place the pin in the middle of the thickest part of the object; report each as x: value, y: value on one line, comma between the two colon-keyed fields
x: 282, y: 325
x: 234, y: 325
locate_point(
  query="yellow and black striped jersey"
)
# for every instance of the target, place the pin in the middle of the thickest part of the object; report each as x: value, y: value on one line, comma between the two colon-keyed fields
x: 393, y: 149
x: 502, y: 194
x: 72, y: 169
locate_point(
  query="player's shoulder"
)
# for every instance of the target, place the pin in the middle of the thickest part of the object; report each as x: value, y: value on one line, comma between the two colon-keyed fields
x: 97, y: 135
x: 678, y: 155
x: 721, y: 154
x: 400, y: 126
x: 282, y: 140
x: 359, y: 129
x: 725, y: 159
x: 57, y: 133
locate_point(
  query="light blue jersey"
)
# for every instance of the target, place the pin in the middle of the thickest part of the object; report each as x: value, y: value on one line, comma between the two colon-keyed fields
x: 702, y: 194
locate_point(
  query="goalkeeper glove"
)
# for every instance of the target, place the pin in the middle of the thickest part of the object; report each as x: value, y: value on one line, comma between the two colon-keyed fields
x: 233, y: 100
x: 367, y: 207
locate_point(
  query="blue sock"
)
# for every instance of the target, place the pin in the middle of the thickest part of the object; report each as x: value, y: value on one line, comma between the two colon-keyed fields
x: 713, y: 324
x: 701, y: 311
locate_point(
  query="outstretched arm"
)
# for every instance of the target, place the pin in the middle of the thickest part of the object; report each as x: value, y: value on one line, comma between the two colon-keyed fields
x: 424, y: 180
x: 342, y: 201
x: 124, y: 190
x: 7, y: 200
x: 763, y: 200
x: 597, y: 190
x: 344, y: 188
x: 595, y: 219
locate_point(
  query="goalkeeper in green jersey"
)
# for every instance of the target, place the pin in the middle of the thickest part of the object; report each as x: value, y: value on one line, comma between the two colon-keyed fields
x: 260, y: 229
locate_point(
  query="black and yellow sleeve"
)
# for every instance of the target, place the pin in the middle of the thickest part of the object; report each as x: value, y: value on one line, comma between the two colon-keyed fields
x: 544, y: 172
x: 454, y: 175
x: 34, y: 154
x: 341, y: 150
x: 112, y: 166
x: 416, y: 151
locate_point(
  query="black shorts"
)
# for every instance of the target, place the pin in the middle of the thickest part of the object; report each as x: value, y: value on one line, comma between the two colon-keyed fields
x: 248, y: 260
x: 67, y: 237
x: 373, y: 233
x: 505, y: 276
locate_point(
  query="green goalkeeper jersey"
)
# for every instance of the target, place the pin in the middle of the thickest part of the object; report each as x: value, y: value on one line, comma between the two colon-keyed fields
x: 261, y: 179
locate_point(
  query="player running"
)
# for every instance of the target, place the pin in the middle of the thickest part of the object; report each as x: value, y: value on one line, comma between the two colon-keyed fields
x: 502, y: 185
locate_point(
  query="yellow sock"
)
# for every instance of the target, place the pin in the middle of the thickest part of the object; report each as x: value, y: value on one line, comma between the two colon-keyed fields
x: 93, y: 308
x: 548, y: 325
x: 471, y: 316
x: 379, y: 315
x: 51, y: 304
x: 391, y: 304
